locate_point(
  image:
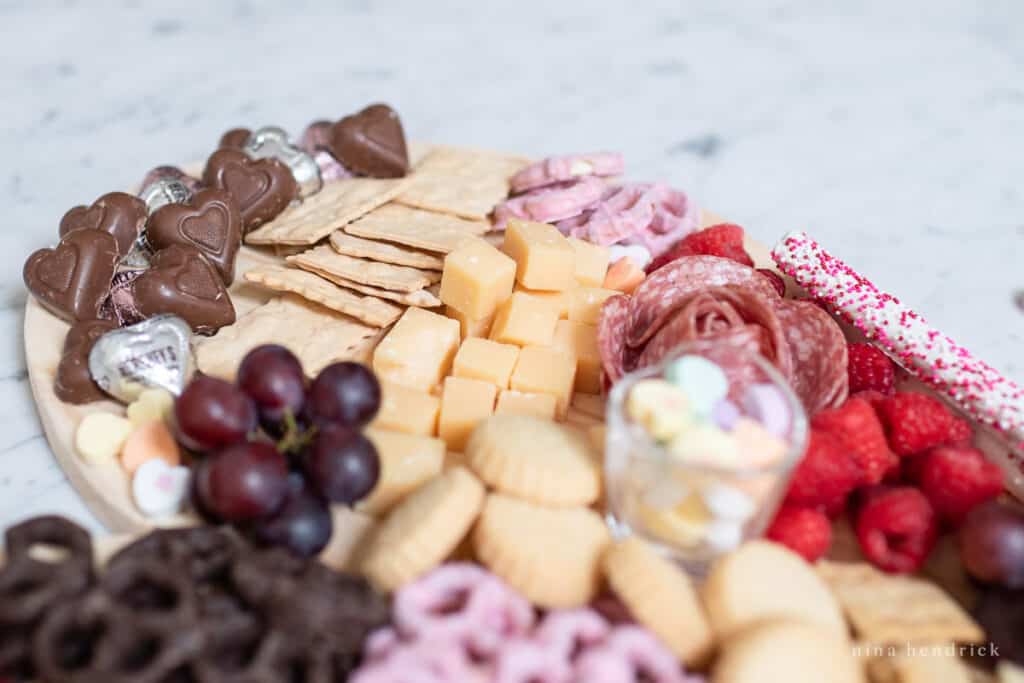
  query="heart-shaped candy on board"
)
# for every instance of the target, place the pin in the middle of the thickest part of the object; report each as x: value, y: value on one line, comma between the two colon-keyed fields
x: 152, y: 353
x: 372, y: 142
x: 210, y: 222
x: 159, y: 489
x: 119, y: 213
x: 181, y: 281
x: 263, y: 188
x: 272, y: 142
x: 73, y: 279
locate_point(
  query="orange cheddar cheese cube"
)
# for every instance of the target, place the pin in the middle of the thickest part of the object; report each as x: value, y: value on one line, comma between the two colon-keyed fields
x: 406, y: 463
x: 524, y: 320
x: 523, y: 403
x: 486, y: 360
x: 464, y: 403
x: 476, y: 279
x: 469, y: 327
x: 545, y: 370
x: 591, y: 262
x: 407, y: 410
x: 544, y: 259
x: 580, y: 340
x: 585, y: 303
x: 418, y: 351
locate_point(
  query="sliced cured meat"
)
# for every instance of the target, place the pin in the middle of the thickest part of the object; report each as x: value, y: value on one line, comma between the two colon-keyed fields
x: 818, y: 349
x: 611, y: 336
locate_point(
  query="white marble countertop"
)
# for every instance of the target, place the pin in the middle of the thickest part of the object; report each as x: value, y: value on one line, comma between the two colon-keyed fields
x: 892, y: 135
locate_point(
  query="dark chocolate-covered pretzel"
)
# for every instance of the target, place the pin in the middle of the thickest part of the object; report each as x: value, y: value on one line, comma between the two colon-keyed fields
x: 203, y: 552
x: 53, y: 531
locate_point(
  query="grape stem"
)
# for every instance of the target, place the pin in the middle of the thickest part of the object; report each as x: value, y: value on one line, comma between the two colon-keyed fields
x: 294, y: 439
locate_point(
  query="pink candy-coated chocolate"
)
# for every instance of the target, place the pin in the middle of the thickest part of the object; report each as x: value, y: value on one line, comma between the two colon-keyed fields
x: 558, y: 169
x: 551, y: 203
x: 978, y: 388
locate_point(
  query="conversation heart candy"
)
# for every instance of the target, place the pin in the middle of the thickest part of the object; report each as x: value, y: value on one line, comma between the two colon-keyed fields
x: 152, y: 353
x: 766, y: 404
x: 100, y: 436
x: 705, y: 444
x: 662, y: 408
x: 148, y: 441
x: 704, y: 383
x: 723, y: 535
x: 159, y: 489
x: 725, y: 414
x: 152, y: 404
x: 727, y: 502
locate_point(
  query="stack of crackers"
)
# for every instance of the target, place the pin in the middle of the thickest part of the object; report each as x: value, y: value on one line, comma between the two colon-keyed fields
x: 350, y: 259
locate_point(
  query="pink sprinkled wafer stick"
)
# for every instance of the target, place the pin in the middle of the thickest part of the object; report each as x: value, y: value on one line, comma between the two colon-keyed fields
x: 978, y: 388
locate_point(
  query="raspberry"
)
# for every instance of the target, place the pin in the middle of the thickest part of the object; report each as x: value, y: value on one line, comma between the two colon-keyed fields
x: 896, y: 528
x: 777, y: 282
x: 825, y: 476
x: 875, y: 398
x: 805, y: 531
x: 954, y: 479
x: 916, y: 422
x: 724, y: 239
x: 858, y: 428
x: 869, y: 368
x: 961, y: 432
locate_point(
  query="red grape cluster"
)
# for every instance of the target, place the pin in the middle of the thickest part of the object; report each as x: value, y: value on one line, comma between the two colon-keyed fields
x: 276, y: 452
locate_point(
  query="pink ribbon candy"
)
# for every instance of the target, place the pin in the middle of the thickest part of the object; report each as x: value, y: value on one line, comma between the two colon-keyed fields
x: 557, y: 169
x: 551, y: 203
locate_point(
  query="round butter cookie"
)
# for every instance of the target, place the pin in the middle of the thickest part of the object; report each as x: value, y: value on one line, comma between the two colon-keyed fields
x: 550, y: 555
x: 535, y: 459
x: 764, y: 580
x: 790, y: 651
x: 423, y: 529
x: 660, y: 596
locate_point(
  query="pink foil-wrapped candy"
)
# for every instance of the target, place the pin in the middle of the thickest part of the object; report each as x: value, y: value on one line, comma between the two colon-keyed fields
x: 561, y: 168
x: 551, y: 203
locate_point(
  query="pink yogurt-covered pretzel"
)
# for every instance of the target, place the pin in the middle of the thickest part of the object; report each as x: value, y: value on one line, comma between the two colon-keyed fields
x: 978, y: 388
x: 421, y: 662
x: 630, y: 654
x: 465, y: 604
x: 551, y: 203
x: 566, y: 632
x: 524, y: 660
x: 558, y: 169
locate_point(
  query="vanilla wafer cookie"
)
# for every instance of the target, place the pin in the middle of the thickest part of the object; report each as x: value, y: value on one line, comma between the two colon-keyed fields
x: 550, y: 555
x: 374, y: 273
x: 535, y: 459
x: 377, y: 250
x: 369, y: 309
x: 423, y: 529
x: 661, y: 597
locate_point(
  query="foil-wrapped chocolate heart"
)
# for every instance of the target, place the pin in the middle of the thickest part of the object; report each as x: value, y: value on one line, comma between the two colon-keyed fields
x: 152, y: 353
x: 165, y: 191
x: 271, y: 142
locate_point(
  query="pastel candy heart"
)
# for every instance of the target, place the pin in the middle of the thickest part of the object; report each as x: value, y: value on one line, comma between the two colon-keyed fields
x: 159, y: 489
x: 723, y: 535
x: 706, y: 444
x: 662, y: 408
x: 766, y: 404
x: 704, y: 382
x: 727, y: 502
x: 725, y: 414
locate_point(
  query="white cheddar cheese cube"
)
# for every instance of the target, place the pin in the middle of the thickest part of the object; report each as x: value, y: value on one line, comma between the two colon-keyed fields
x: 418, y: 351
x: 476, y: 279
x: 585, y: 303
x: 544, y: 370
x: 486, y: 360
x: 544, y: 259
x: 591, y: 262
x: 469, y: 327
x: 558, y: 300
x: 407, y: 410
x: 524, y: 403
x: 524, y: 320
x: 580, y: 340
x: 464, y: 403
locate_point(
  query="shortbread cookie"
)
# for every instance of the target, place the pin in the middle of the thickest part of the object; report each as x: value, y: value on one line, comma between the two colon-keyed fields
x: 417, y: 228
x: 550, y: 555
x: 790, y: 651
x: 407, y: 461
x: 384, y: 275
x: 661, y: 597
x: 318, y: 336
x: 368, y: 309
x: 460, y: 181
x: 535, y: 459
x: 423, y: 298
x: 897, y: 609
x: 764, y: 580
x: 340, y: 202
x: 424, y: 529
x: 376, y: 250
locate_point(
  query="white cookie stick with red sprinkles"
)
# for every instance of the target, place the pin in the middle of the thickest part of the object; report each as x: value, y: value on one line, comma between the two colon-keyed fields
x: 978, y: 388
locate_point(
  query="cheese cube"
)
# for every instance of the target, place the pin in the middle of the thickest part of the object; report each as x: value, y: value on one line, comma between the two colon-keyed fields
x: 418, y: 351
x: 545, y: 370
x: 464, y: 402
x: 407, y: 410
x: 469, y: 327
x: 523, y: 403
x: 406, y: 463
x: 544, y: 259
x: 486, y: 360
x: 558, y: 300
x: 591, y: 262
x: 585, y: 303
x: 476, y: 279
x: 580, y: 340
x: 524, y: 320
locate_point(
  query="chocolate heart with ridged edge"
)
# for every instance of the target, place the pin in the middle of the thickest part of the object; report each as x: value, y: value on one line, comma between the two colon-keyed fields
x: 120, y: 214
x: 181, y: 281
x: 262, y: 187
x: 74, y: 383
x: 73, y: 279
x: 372, y: 142
x: 210, y: 222
x: 234, y: 138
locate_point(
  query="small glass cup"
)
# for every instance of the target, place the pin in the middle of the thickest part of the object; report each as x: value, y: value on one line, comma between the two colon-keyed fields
x: 696, y: 510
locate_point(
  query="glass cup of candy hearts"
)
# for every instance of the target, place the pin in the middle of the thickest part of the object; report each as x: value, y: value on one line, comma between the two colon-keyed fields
x: 699, y: 450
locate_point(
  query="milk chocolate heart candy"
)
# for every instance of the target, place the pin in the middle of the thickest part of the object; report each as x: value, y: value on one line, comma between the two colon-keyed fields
x: 210, y: 222
x: 372, y: 142
x: 73, y: 279
x: 182, y: 282
x: 118, y: 213
x: 262, y: 187
x: 234, y: 138
x: 152, y: 353
x: 74, y: 383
